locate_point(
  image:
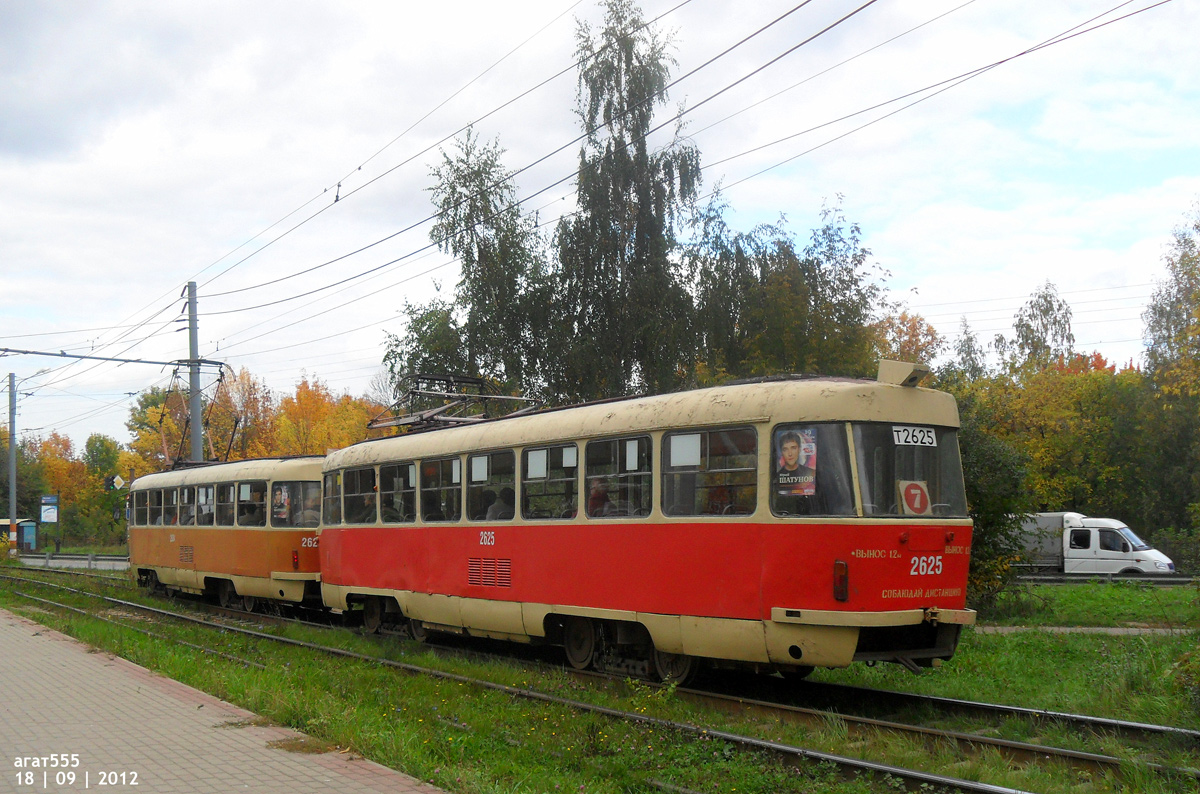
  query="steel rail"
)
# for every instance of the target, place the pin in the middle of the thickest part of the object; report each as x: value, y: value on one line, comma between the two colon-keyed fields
x: 1019, y: 751
x: 1083, y: 720
x: 788, y: 754
x: 88, y: 572
x: 147, y: 632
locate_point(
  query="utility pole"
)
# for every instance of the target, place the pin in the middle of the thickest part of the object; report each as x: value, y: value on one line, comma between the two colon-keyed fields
x: 12, y: 456
x: 194, y: 376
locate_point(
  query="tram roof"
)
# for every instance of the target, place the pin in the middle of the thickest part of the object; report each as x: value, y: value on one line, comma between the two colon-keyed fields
x: 300, y: 467
x: 767, y: 401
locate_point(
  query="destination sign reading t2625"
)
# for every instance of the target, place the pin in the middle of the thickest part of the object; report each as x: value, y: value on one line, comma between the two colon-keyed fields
x: 909, y: 436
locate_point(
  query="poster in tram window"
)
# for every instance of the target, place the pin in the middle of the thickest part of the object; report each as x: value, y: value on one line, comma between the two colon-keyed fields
x: 281, y: 505
x: 796, y: 462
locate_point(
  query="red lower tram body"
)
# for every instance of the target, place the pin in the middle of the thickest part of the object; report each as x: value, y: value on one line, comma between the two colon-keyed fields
x: 791, y: 595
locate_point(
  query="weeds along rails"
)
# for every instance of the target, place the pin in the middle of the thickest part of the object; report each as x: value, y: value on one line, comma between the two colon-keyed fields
x: 775, y: 525
x: 869, y: 738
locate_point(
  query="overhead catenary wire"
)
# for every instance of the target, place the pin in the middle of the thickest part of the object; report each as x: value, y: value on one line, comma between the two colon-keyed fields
x: 411, y: 158
x: 434, y: 244
x: 67, y: 368
x: 576, y: 140
x: 1053, y: 40
x: 946, y: 85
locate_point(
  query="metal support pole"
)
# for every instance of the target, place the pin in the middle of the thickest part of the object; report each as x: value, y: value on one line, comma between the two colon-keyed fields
x: 194, y: 376
x: 12, y: 456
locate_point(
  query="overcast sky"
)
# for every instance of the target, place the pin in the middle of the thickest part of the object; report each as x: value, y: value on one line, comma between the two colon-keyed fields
x: 146, y: 144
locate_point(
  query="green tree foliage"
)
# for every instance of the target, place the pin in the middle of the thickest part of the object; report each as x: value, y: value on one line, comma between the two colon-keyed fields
x: 502, y: 284
x: 1079, y: 422
x: 101, y: 453
x: 1173, y: 317
x: 432, y: 343
x: 970, y: 356
x: 1042, y: 332
x: 994, y: 472
x: 766, y: 306
x: 620, y: 294
x: 1172, y: 333
x: 157, y: 423
x: 31, y: 483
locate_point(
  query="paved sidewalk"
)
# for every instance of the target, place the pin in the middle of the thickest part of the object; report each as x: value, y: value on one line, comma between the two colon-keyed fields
x: 60, y: 697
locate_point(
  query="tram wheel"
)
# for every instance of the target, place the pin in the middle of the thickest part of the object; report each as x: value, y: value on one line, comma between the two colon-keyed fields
x: 249, y: 603
x: 796, y: 673
x: 579, y: 642
x: 373, y: 615
x: 226, y: 594
x: 417, y: 630
x: 674, y: 668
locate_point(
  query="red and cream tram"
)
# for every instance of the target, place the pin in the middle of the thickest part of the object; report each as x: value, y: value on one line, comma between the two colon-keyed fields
x: 782, y: 524
x: 241, y: 531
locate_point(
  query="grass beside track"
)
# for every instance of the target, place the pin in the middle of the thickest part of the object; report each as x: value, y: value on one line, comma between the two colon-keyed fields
x: 1108, y: 604
x: 467, y: 740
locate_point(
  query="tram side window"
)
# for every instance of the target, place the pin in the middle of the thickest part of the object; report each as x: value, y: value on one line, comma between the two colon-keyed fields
x: 251, y: 504
x: 398, y: 493
x: 226, y: 503
x: 909, y: 470
x: 550, y: 482
x: 491, y: 492
x: 204, y: 505
x: 618, y: 477
x: 187, y: 506
x: 810, y: 471
x: 710, y: 473
x: 141, y: 505
x: 170, y: 506
x: 295, y: 504
x: 441, y: 489
x: 156, y: 506
x: 359, y: 502
x: 331, y: 501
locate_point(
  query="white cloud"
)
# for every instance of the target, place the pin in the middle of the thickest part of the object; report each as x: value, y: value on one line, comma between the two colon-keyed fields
x: 141, y: 143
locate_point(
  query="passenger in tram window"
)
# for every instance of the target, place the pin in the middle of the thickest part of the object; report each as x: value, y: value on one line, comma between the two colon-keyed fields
x: 599, y: 503
x: 310, y: 516
x: 487, y: 506
x: 365, y: 512
x: 502, y: 509
x: 253, y: 514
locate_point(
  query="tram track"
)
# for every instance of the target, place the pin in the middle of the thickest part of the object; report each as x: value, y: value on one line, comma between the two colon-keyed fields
x: 1017, y: 751
x: 892, y: 700
x: 79, y: 572
x: 739, y: 706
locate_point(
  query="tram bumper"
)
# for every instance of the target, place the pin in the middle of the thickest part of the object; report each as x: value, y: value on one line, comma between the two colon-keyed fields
x: 913, y: 638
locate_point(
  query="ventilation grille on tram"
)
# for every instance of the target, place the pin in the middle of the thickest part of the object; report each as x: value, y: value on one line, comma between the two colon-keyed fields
x: 186, y: 553
x: 488, y: 572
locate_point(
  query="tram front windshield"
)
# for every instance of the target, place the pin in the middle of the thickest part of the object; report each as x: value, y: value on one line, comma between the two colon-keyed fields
x: 909, y: 470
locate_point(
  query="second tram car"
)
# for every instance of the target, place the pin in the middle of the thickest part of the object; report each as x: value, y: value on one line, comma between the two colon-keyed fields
x: 778, y: 525
x: 240, y: 531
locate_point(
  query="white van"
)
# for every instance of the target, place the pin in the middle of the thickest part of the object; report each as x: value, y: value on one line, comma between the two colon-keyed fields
x: 1075, y: 543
